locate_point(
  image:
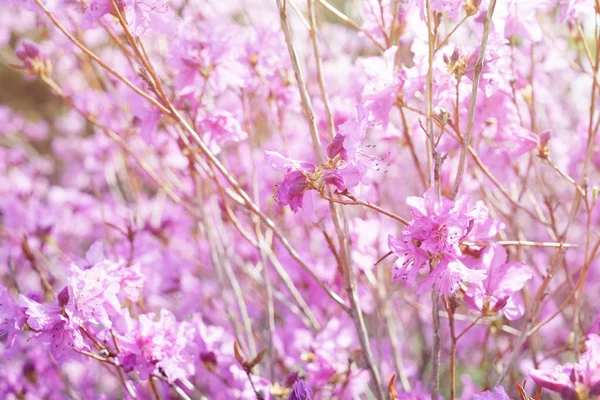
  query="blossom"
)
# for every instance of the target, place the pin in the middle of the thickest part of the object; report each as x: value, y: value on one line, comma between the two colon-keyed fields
x: 221, y: 128
x: 452, y: 7
x: 438, y: 228
x: 574, y: 381
x: 140, y: 15
x: 205, y: 54
x: 348, y: 144
x: 301, y: 179
x: 94, y: 294
x: 155, y: 343
x: 12, y: 317
x: 439, y: 224
x: 504, y: 280
x: 450, y: 275
x: 410, y: 260
x: 53, y: 326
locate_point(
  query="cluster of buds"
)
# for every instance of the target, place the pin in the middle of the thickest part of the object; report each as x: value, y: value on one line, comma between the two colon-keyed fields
x: 456, y: 63
x: 472, y: 7
x: 32, y: 60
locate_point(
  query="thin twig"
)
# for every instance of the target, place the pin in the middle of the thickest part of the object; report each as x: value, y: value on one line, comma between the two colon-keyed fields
x: 100, y: 62
x: 319, y: 65
x: 337, y: 214
x: 473, y: 102
x: 350, y: 23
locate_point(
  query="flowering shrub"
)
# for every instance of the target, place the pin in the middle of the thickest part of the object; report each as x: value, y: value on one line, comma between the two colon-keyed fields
x: 289, y: 199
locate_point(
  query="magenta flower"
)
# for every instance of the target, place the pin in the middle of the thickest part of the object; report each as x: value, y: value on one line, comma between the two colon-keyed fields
x: 94, y: 294
x: 221, y: 128
x: 574, y: 381
x: 205, y: 56
x: 151, y: 344
x: 12, y: 317
x: 439, y: 224
x: 140, y: 15
x: 449, y: 276
x: 438, y: 228
x: 53, y: 325
x: 291, y: 190
x: 302, y: 180
x: 504, y: 280
x: 351, y: 149
x: 410, y: 260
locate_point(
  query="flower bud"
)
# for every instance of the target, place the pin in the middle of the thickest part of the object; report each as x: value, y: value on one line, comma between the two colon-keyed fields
x: 63, y: 297
x: 472, y: 7
x: 500, y: 304
x: 32, y: 59
x: 336, y: 146
x: 301, y: 391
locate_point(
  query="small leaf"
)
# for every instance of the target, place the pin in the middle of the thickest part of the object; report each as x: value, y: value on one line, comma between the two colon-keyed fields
x: 237, y: 351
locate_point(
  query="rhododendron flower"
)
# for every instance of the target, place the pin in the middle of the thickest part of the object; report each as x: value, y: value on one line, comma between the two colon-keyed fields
x: 348, y: 144
x: 140, y: 15
x: 154, y: 344
x: 221, y: 128
x: 438, y: 228
x: 504, y: 280
x: 418, y: 129
x: 574, y: 381
x: 12, y: 317
x: 439, y: 224
x: 205, y: 54
x: 53, y: 325
x: 410, y: 260
x: 302, y: 178
x: 449, y: 276
x: 452, y: 7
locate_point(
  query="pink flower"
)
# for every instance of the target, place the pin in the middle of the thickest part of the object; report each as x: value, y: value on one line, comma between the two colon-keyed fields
x: 39, y: 315
x: 152, y: 344
x: 449, y: 276
x: 12, y: 317
x: 291, y: 190
x: 221, y: 128
x: 348, y: 143
x: 497, y: 291
x: 140, y: 15
x: 52, y: 326
x: 205, y: 56
x: 439, y: 224
x: 94, y: 294
x: 452, y: 7
x: 574, y: 381
x: 410, y: 260
x: 436, y: 231
x: 302, y: 178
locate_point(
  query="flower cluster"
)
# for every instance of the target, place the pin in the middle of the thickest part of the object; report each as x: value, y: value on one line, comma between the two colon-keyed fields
x: 305, y: 200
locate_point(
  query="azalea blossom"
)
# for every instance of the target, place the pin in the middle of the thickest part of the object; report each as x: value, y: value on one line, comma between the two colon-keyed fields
x: 498, y: 292
x: 574, y: 381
